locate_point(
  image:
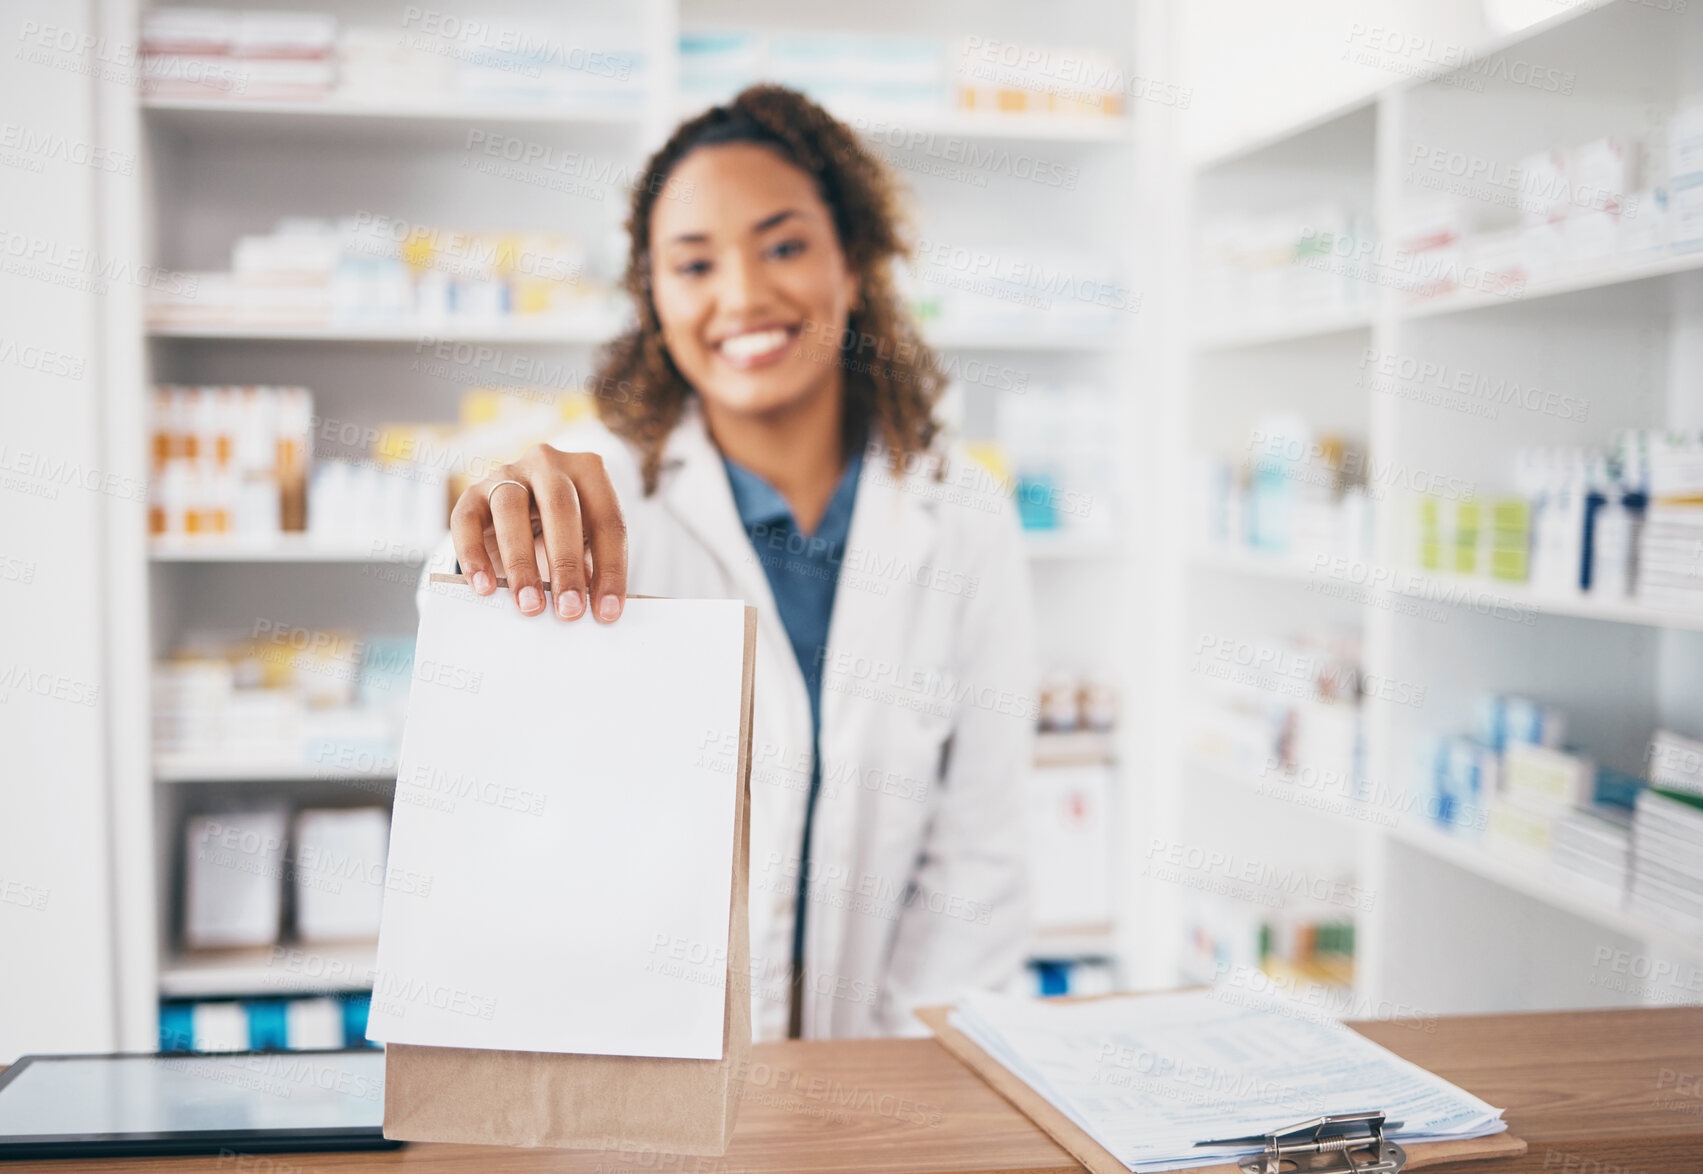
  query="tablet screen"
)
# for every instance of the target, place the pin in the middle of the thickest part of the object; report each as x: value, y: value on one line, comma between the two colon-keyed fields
x: 84, y: 1096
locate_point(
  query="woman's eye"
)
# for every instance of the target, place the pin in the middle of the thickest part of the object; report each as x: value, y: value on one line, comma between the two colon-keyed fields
x: 692, y: 268
x: 787, y: 249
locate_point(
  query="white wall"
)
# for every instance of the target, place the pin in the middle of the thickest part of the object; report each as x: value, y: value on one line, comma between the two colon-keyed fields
x: 56, y: 952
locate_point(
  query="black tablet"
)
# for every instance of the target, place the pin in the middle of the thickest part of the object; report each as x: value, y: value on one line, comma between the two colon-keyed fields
x: 192, y: 1103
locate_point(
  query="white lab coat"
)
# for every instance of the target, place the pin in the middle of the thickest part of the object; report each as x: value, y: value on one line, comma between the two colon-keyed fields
x: 917, y: 878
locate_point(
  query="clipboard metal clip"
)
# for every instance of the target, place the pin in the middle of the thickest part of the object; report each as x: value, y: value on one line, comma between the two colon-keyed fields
x: 1339, y: 1143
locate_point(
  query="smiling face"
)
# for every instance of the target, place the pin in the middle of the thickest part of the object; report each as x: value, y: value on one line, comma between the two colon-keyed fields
x: 749, y: 280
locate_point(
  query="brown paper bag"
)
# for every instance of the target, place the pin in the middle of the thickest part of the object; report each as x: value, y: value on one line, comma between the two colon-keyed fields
x: 482, y: 1097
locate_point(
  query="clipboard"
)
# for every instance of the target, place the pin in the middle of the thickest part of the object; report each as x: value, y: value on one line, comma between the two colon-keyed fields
x: 1096, y: 1158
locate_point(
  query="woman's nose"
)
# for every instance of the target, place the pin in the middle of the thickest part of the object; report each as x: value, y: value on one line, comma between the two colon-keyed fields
x: 742, y: 286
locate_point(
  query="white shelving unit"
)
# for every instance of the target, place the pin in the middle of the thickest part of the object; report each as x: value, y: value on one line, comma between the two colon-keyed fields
x: 1446, y: 924
x: 212, y: 170
x: 590, y: 334
x: 240, y: 114
x: 336, y: 968
x: 559, y: 333
x: 1303, y: 330
x: 180, y: 769
x: 286, y: 548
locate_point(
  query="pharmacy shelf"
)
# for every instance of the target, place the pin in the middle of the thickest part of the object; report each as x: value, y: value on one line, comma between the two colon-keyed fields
x: 304, y: 548
x: 378, y: 114
x: 591, y: 332
x: 1041, y: 128
x: 177, y: 769
x: 1063, y: 943
x: 1072, y: 748
x: 901, y: 129
x: 1464, y: 590
x: 1301, y: 330
x: 1531, y: 876
x: 1028, y: 339
x: 1273, y: 140
x: 1424, y: 73
x: 264, y: 970
x: 1075, y: 748
x: 1536, y: 36
x: 1620, y: 270
x: 1230, y: 560
x: 290, y: 548
x: 1458, y: 590
x: 1624, y: 321
x: 1338, y: 813
x: 382, y: 114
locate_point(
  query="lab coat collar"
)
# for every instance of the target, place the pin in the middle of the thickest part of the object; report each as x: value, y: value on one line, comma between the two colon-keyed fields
x: 693, y: 485
x: 894, y: 512
x: 890, y: 507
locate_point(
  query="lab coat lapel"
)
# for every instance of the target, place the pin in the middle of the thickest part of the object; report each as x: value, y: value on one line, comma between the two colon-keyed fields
x: 893, y: 532
x: 696, y: 491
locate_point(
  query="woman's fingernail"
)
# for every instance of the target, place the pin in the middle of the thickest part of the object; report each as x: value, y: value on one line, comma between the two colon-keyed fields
x: 608, y: 607
x: 531, y: 602
x: 569, y: 604
x: 481, y: 582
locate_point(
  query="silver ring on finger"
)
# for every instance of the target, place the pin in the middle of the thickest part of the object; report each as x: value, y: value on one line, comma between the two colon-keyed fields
x: 500, y: 484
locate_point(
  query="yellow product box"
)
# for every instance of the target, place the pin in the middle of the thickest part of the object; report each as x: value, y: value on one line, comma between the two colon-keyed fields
x: 1526, y: 827
x: 1539, y: 774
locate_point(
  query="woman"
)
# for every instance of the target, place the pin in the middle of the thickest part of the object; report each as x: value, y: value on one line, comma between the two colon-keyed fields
x: 767, y: 434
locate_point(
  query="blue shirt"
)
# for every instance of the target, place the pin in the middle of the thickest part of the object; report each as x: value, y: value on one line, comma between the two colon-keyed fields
x: 803, y: 569
x: 804, y: 573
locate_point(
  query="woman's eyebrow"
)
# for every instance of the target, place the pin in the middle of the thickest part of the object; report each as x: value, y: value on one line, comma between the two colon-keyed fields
x: 763, y: 225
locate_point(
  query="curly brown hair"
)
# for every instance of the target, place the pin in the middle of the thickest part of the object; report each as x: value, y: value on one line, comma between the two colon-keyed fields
x: 892, y: 379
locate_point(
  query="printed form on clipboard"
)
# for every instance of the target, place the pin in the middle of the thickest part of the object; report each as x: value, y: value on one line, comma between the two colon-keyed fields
x: 1148, y: 1078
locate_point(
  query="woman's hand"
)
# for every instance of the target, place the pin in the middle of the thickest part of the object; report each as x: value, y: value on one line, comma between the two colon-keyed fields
x: 562, y: 505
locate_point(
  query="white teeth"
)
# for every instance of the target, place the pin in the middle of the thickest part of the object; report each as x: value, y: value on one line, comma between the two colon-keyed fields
x: 757, y: 342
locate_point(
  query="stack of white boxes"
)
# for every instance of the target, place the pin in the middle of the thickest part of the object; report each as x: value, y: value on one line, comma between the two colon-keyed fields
x: 1685, y: 179
x: 237, y: 864
x: 1667, y: 835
